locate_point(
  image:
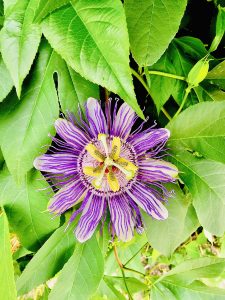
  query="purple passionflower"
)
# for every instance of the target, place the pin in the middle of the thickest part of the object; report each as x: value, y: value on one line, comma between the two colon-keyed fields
x: 103, y: 164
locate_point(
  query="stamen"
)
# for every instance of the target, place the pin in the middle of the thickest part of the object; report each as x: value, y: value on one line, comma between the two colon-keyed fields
x: 91, y: 171
x: 116, y: 146
x: 112, y: 181
x: 102, y: 137
x: 95, y: 153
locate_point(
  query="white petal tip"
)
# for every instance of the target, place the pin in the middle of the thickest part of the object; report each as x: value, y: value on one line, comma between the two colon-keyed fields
x: 37, y: 163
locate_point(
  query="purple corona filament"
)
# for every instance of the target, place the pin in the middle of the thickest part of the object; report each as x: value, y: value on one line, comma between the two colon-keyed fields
x: 104, y: 166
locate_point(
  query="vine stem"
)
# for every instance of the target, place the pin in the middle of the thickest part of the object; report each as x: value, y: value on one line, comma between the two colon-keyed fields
x: 167, y: 75
x: 138, y: 76
x: 187, y: 91
x: 122, y: 271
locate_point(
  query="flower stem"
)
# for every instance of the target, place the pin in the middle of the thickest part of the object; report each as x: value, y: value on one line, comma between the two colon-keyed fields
x: 138, y: 76
x: 187, y: 91
x: 167, y: 75
x: 122, y: 271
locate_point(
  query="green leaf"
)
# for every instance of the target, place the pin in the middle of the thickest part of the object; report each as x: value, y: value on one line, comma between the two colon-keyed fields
x: 73, y: 89
x: 19, y: 40
x: 81, y: 275
x: 217, y: 75
x: 206, y: 182
x: 162, y: 87
x: 192, y: 269
x: 24, y: 128
x: 134, y: 284
x: 180, y: 283
x: 106, y: 290
x: 220, y: 29
x: 7, y: 284
x: 96, y: 44
x: 181, y: 223
x: 48, y: 260
x: 46, y: 7
x: 152, y: 25
x: 26, y: 208
x: 209, y: 92
x: 171, y: 290
x: 6, y: 83
x: 205, y: 135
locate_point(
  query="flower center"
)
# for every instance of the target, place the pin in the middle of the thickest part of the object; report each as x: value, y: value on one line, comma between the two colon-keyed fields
x: 108, y: 163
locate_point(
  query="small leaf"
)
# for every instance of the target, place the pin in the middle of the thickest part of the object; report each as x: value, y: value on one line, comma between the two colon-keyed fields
x: 26, y: 208
x: 152, y: 24
x: 7, y: 284
x: 48, y: 260
x: 19, y: 40
x: 217, y: 75
x: 167, y: 235
x: 96, y: 44
x: 81, y: 275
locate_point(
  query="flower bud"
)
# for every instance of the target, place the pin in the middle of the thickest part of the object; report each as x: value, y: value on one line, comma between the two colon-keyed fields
x: 198, y: 73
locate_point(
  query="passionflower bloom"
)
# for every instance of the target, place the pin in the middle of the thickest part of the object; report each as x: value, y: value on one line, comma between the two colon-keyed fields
x: 105, y: 165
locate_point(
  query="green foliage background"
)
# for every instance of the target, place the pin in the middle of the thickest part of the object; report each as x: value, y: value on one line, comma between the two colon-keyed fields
x: 156, y: 54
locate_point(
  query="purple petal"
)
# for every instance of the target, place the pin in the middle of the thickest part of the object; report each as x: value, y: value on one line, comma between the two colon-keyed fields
x: 144, y: 141
x: 71, y: 134
x: 95, y: 117
x: 123, y: 121
x: 67, y: 197
x: 144, y: 197
x: 64, y: 163
x: 151, y: 170
x: 91, y: 215
x: 122, y: 217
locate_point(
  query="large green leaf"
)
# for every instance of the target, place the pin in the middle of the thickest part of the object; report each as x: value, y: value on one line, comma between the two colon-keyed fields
x: 152, y: 24
x: 181, y: 282
x: 6, y: 83
x: 73, y: 89
x: 92, y: 38
x: 205, y: 178
x: 166, y: 235
x: 82, y: 274
x: 26, y: 208
x: 173, y: 290
x: 7, y: 284
x: 24, y: 128
x: 46, y: 7
x: 162, y: 87
x: 205, y: 134
x: 48, y: 260
x: 206, y: 182
x: 192, y: 269
x: 19, y: 40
